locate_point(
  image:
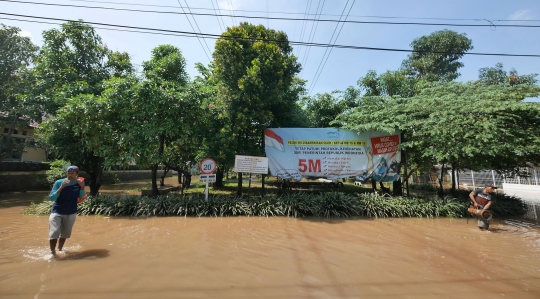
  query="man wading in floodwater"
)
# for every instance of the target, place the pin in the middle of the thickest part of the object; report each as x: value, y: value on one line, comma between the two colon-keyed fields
x: 65, y: 194
x: 483, y: 199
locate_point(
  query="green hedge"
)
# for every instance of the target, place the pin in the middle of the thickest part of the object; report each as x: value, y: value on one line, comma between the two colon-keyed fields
x: 323, y: 205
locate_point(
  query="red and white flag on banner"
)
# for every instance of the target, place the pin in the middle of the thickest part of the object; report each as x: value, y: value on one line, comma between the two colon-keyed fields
x: 271, y: 139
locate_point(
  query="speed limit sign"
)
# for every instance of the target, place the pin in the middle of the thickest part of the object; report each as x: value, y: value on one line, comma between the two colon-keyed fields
x: 208, y: 166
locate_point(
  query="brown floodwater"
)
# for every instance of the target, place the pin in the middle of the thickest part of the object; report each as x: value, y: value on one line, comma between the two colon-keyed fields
x: 251, y: 257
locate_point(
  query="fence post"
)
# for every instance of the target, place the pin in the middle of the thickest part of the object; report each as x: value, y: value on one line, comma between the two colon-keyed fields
x: 472, y: 176
x: 504, y: 178
x: 493, y: 176
x: 535, y: 213
x: 519, y: 181
x: 535, y: 177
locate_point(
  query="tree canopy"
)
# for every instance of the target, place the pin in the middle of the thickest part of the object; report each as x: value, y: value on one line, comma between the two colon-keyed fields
x: 469, y: 125
x: 436, y: 56
x: 16, y: 110
x: 254, y: 68
x: 70, y: 69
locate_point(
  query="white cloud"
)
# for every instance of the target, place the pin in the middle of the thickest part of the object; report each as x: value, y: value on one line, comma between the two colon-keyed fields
x: 229, y: 4
x: 522, y: 14
x: 25, y: 33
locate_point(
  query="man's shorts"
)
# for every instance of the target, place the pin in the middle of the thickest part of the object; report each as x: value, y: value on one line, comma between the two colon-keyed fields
x: 60, y: 225
x: 483, y: 223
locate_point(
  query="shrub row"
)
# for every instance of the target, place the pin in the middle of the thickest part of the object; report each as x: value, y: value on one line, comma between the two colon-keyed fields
x: 324, y: 205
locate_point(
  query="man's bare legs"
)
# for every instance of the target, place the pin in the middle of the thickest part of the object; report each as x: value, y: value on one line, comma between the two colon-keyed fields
x: 52, y: 244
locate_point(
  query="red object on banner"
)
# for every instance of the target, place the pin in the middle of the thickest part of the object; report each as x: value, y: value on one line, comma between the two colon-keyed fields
x: 384, y: 144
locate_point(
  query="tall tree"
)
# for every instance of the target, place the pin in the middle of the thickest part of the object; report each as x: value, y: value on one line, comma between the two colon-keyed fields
x: 436, y: 56
x: 254, y: 67
x: 16, y: 110
x: 73, y: 62
x: 149, y: 121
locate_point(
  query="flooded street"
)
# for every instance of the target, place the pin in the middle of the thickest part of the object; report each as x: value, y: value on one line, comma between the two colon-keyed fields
x: 241, y: 257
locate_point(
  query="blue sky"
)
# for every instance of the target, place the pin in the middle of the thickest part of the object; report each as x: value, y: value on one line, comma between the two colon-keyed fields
x: 344, y: 66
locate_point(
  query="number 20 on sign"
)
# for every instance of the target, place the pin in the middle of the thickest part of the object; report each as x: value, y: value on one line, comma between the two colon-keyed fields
x: 208, y: 166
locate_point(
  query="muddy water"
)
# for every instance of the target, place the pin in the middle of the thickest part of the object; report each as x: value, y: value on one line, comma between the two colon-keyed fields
x: 244, y: 257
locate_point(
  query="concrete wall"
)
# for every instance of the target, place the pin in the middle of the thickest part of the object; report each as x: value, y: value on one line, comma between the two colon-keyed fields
x: 13, y: 181
x: 527, y: 192
x: 33, y: 154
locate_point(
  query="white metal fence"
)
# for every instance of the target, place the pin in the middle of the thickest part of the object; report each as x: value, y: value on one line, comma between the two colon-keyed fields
x: 529, y: 185
x: 477, y: 179
x: 527, y: 188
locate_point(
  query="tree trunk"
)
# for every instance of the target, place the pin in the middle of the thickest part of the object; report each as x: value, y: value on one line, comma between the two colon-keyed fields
x: 453, y: 179
x: 184, y: 173
x: 397, y: 188
x: 95, y: 180
x: 239, y: 189
x: 162, y: 183
x: 383, y: 188
x: 441, y: 181
x: 187, y: 181
x: 405, y: 170
x: 155, y: 190
x: 219, y: 178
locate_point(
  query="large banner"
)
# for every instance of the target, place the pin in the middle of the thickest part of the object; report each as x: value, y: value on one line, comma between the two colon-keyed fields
x: 295, y: 153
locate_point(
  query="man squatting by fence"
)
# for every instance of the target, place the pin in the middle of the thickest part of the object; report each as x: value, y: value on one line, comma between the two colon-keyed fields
x: 483, y: 199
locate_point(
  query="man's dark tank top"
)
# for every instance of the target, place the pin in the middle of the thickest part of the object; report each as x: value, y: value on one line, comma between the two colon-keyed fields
x: 66, y: 203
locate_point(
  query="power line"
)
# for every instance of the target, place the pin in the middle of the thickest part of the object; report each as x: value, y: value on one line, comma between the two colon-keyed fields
x: 294, y: 13
x: 232, y: 13
x: 221, y: 28
x: 199, y: 29
x: 216, y: 36
x: 306, y: 25
x: 221, y: 17
x: 308, y: 6
x: 281, y: 18
x: 326, y: 50
x: 343, y: 24
x: 312, y: 35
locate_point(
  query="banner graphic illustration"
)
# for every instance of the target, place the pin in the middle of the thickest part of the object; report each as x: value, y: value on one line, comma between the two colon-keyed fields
x: 294, y: 153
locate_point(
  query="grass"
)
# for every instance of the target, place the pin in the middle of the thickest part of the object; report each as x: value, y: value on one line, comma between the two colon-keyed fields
x: 299, y: 204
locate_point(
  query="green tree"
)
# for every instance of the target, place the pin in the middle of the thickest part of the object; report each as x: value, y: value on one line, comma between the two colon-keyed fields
x: 71, y: 68
x: 322, y: 109
x: 16, y: 110
x: 390, y: 83
x: 464, y: 125
x: 254, y: 68
x: 497, y: 75
x: 436, y: 56
x: 149, y: 121
x: 74, y: 60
